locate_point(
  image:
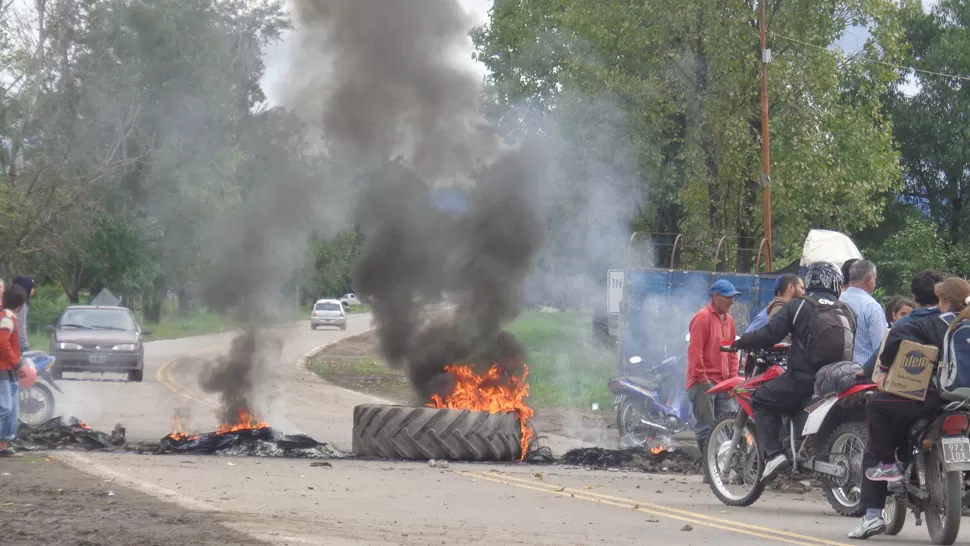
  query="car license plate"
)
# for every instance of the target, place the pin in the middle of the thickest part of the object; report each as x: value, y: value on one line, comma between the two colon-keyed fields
x: 97, y: 359
x: 956, y: 450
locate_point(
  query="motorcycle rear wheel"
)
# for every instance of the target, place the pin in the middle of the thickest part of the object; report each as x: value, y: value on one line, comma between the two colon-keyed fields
x: 945, y: 506
x: 627, y: 414
x: 751, y: 468
x: 38, y: 394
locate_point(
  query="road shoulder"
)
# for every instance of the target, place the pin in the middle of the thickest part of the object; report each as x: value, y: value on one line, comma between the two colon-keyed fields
x: 48, y: 502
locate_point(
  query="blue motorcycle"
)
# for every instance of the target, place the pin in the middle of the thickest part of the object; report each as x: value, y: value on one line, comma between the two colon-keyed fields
x: 653, y: 406
x: 37, y: 403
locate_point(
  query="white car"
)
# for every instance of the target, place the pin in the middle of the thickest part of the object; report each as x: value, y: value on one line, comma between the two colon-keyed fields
x: 350, y: 300
x: 328, y: 312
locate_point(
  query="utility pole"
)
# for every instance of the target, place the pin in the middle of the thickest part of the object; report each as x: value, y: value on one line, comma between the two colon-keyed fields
x: 765, y: 142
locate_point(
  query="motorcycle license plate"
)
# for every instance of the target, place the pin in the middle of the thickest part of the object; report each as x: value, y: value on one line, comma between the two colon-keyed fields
x: 956, y: 450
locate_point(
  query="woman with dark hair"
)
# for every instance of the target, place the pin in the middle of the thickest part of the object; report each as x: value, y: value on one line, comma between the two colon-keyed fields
x: 902, y: 309
x: 891, y: 308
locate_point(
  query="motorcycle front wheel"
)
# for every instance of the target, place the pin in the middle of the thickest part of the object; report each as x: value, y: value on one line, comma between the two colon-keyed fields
x: 895, y: 515
x: 945, y: 506
x: 736, y: 482
x: 846, y: 446
x: 36, y: 404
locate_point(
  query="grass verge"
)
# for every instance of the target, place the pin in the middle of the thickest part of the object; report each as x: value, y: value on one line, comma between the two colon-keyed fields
x: 359, y: 309
x: 567, y: 369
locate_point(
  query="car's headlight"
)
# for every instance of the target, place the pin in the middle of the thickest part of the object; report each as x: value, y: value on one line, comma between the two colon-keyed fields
x: 125, y: 347
x: 69, y: 346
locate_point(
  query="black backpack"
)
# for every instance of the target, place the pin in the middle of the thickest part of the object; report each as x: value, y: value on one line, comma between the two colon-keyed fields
x: 831, y: 336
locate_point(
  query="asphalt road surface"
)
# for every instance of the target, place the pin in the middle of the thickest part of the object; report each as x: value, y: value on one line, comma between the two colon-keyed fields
x: 355, y: 502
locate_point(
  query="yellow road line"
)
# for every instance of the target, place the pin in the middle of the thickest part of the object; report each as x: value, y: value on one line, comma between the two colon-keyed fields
x: 657, y: 510
x: 164, y: 376
x: 694, y: 514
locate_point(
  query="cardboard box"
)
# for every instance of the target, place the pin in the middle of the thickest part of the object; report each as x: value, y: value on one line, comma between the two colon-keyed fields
x: 876, y: 372
x: 912, y: 371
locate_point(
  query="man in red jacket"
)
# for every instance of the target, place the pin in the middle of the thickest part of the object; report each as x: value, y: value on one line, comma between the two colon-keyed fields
x: 10, y: 372
x: 711, y: 328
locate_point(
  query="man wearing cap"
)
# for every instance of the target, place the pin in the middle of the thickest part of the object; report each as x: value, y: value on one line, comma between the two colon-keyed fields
x: 787, y: 287
x: 711, y: 328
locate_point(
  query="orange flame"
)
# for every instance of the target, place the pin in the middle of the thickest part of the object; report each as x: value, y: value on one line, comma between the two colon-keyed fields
x: 487, y: 393
x: 82, y: 425
x: 657, y: 450
x: 245, y: 421
x: 181, y: 435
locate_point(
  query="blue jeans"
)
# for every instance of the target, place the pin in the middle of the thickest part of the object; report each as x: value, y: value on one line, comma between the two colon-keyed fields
x: 707, y: 409
x: 9, y: 411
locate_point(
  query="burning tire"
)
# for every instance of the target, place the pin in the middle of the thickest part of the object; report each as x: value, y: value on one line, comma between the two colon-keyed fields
x: 421, y: 433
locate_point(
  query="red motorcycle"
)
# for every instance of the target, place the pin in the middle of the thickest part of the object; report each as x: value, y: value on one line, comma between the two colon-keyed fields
x: 830, y: 447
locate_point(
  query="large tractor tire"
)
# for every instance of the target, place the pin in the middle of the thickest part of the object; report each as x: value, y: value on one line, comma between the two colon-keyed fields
x: 420, y: 433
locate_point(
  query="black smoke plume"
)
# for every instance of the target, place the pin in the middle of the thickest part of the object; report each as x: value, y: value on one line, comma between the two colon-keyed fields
x: 442, y: 285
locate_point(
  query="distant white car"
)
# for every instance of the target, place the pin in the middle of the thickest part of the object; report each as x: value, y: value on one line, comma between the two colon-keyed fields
x: 328, y: 312
x: 350, y: 300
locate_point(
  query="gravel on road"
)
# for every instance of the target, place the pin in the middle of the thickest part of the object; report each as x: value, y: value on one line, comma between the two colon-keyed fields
x: 43, y: 501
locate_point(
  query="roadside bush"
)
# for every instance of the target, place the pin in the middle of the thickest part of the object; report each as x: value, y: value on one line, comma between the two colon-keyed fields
x: 45, y: 307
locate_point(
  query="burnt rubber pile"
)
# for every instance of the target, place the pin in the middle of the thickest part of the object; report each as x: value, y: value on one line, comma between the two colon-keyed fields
x: 258, y: 442
x: 70, y: 434
x: 636, y: 459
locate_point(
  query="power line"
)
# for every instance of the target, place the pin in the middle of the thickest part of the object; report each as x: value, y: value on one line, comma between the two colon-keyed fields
x: 884, y: 63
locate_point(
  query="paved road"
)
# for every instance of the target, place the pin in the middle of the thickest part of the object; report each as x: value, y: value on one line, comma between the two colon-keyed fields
x: 355, y: 502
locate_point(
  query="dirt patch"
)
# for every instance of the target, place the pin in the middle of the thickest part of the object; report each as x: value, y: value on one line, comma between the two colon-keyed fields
x: 43, y: 501
x: 353, y: 363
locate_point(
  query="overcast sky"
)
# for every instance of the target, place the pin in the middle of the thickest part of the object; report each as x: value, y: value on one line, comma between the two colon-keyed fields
x: 277, y: 55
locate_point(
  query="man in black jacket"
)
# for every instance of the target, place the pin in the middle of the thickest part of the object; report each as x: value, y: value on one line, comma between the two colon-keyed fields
x: 800, y: 318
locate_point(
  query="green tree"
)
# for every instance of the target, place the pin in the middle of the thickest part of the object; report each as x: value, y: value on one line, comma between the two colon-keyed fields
x: 686, y: 77
x: 933, y: 125
x: 327, y: 273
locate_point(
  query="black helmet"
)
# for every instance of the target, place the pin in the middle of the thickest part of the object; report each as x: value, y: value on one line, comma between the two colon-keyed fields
x: 823, y: 276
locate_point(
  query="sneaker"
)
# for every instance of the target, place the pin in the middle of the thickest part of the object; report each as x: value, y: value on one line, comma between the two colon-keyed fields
x: 885, y: 473
x: 9, y: 452
x: 869, y: 528
x: 773, y: 466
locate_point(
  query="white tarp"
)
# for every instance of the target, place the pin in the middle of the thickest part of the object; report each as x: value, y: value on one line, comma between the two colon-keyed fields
x: 828, y: 246
x: 106, y: 298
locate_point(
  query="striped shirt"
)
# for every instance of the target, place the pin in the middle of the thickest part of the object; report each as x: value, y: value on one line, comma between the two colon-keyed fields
x: 872, y: 323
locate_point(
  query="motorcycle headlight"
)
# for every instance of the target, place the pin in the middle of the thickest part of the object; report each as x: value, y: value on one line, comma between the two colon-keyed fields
x: 125, y: 347
x: 69, y: 346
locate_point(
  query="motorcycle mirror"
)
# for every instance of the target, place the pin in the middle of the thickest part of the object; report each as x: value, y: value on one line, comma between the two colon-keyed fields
x: 635, y: 360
